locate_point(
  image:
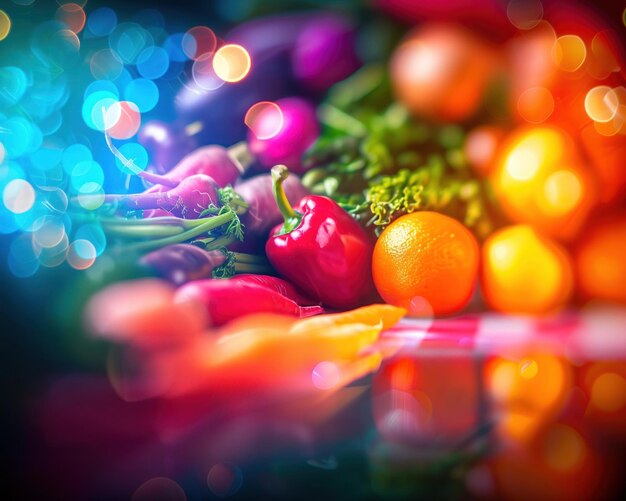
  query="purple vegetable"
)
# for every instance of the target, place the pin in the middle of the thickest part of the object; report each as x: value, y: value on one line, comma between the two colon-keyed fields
x: 187, y: 200
x: 164, y: 144
x: 181, y: 263
x: 300, y: 129
x: 279, y: 46
x: 224, y: 165
x: 325, y: 53
x: 263, y: 213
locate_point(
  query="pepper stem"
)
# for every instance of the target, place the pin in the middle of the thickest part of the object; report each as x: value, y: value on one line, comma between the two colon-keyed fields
x: 291, y: 217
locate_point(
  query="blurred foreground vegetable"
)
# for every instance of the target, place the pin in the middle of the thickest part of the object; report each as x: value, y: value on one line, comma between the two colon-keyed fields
x: 323, y: 352
x: 230, y: 298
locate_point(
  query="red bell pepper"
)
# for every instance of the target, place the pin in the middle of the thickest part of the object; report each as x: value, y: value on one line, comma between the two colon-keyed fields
x: 321, y: 249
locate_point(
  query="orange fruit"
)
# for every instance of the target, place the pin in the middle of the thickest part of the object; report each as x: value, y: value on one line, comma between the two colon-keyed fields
x: 427, y: 263
x: 600, y: 262
x: 524, y: 272
x: 442, y: 71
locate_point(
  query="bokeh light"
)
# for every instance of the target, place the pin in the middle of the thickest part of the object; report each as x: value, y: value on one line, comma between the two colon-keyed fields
x: 569, y: 52
x: 102, y: 21
x: 128, y: 40
x: 159, y: 488
x: 106, y: 65
x: 231, y: 63
x: 143, y: 92
x: 74, y: 154
x: 535, y: 105
x: 524, y: 14
x: 152, y: 62
x: 265, y: 119
x: 48, y: 231
x: 173, y: 44
x: 204, y: 75
x: 93, y: 233
x: 123, y: 120
x: 224, y: 479
x: 198, y: 41
x: 72, y: 15
x: 601, y: 103
x: 86, y: 171
x: 81, y: 254
x: 5, y: 25
x: 18, y: 196
x: 563, y: 447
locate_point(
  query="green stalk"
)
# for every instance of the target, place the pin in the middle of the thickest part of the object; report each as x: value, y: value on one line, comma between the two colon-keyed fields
x: 241, y: 257
x: 147, y: 231
x: 209, y: 224
x: 257, y: 269
x: 215, y: 243
x: 291, y: 217
x: 152, y: 221
x: 338, y: 119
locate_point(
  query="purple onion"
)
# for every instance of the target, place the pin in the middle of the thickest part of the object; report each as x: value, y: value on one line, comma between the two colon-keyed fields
x: 182, y: 263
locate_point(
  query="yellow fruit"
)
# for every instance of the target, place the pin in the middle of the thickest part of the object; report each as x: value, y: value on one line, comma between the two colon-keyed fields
x: 539, y: 179
x: 524, y: 272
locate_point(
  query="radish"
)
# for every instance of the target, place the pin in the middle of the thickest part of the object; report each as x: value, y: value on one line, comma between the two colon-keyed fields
x: 187, y: 200
x: 223, y: 165
x: 181, y: 263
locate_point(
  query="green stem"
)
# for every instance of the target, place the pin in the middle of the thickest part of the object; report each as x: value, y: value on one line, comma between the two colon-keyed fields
x: 291, y: 217
x: 337, y: 119
x: 241, y: 257
x: 147, y: 231
x: 209, y: 224
x: 153, y: 221
x: 257, y: 269
x: 216, y: 243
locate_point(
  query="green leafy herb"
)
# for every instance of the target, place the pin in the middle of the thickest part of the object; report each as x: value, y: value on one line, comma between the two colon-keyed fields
x: 379, y: 163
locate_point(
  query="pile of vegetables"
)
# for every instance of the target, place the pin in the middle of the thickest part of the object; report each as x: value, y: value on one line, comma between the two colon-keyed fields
x: 398, y: 186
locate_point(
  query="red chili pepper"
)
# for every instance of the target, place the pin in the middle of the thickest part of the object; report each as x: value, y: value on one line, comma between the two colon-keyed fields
x: 321, y: 249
